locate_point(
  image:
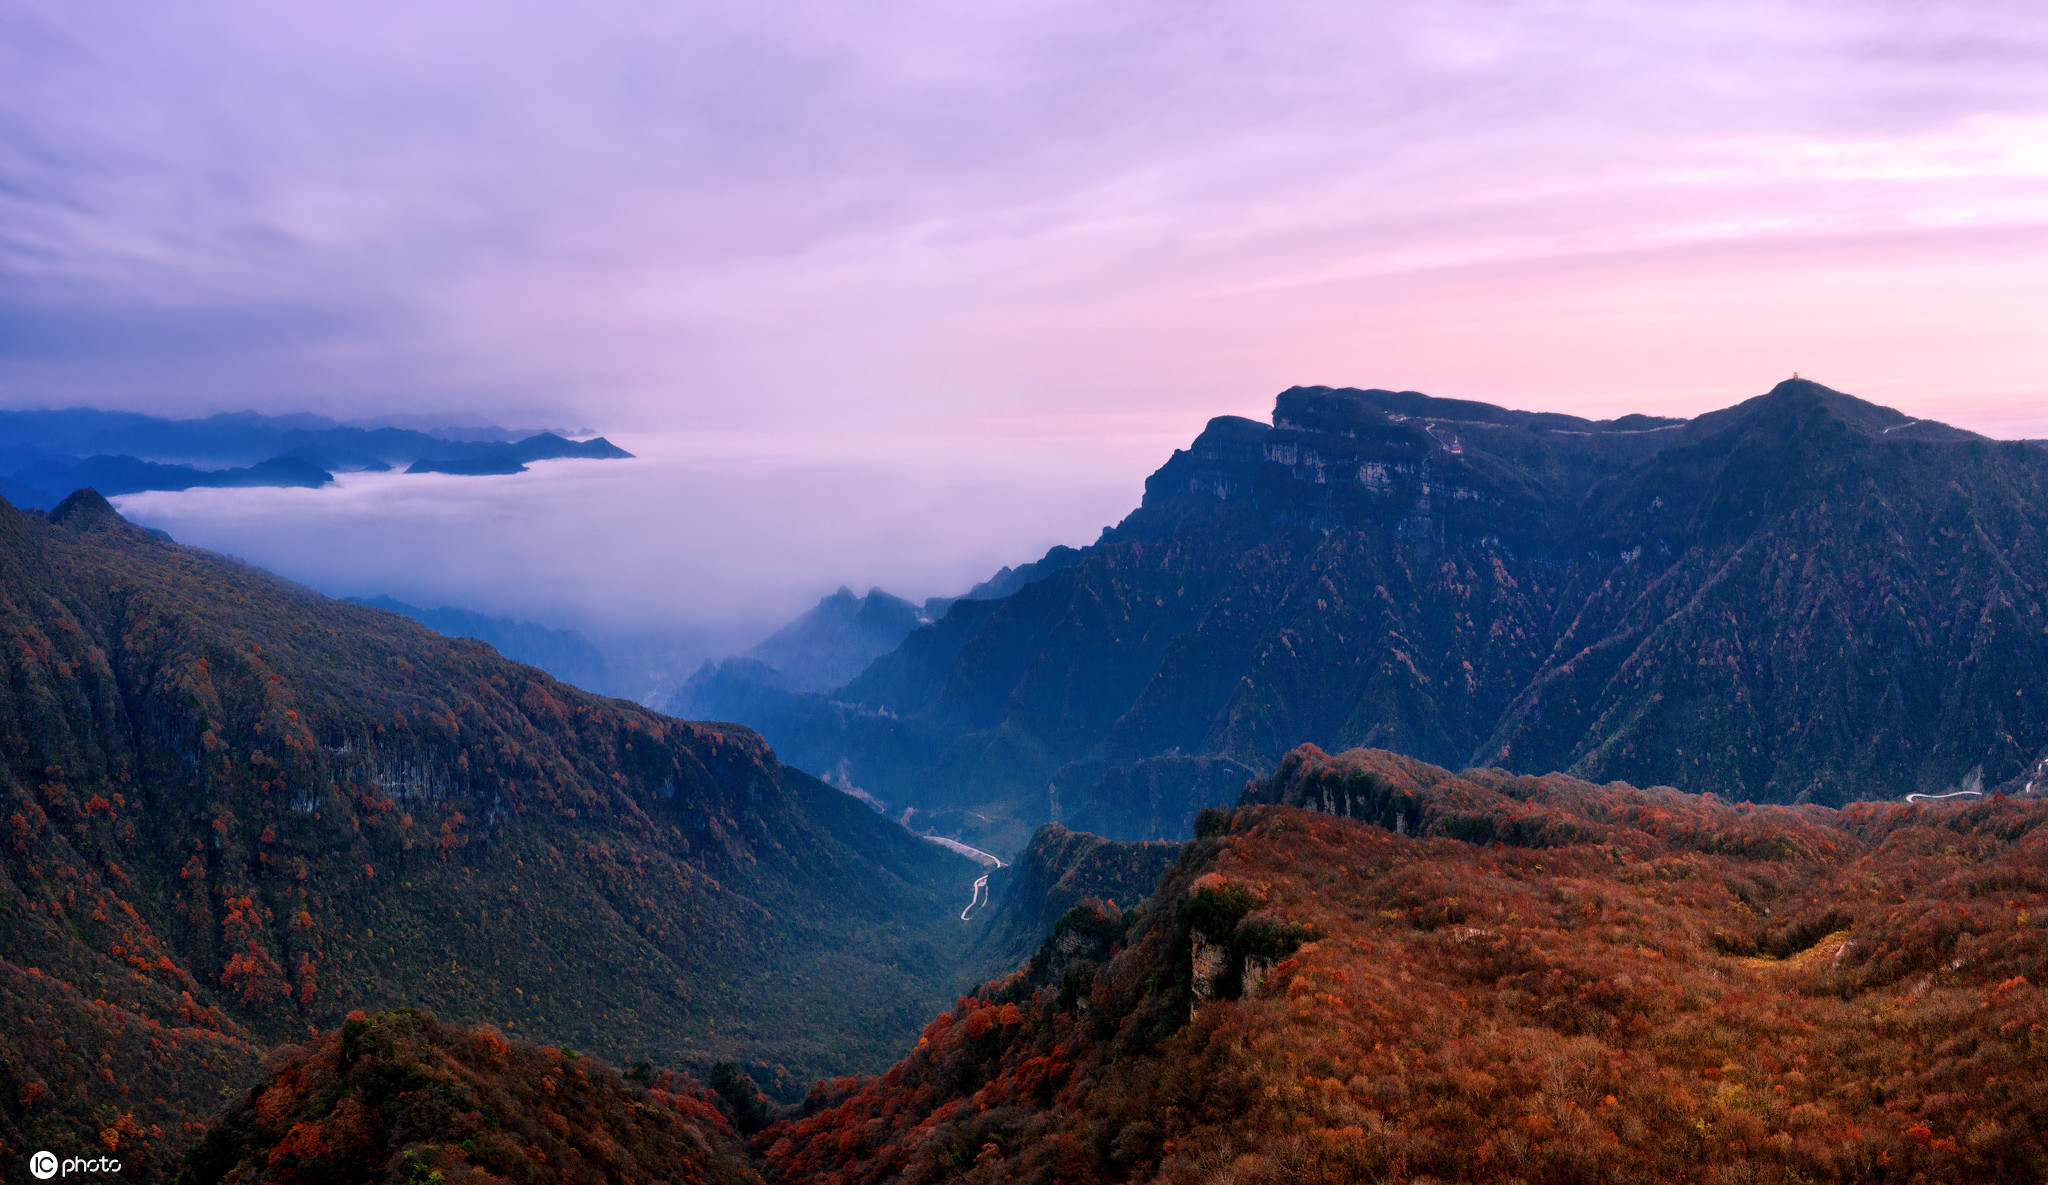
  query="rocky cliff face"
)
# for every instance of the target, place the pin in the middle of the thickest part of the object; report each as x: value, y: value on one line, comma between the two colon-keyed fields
x: 1802, y: 598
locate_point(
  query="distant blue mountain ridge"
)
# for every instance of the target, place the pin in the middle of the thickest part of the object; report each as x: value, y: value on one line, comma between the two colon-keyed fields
x: 44, y: 455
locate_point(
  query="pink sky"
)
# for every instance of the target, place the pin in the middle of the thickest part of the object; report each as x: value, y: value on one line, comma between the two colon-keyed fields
x: 982, y: 216
x: 1051, y: 238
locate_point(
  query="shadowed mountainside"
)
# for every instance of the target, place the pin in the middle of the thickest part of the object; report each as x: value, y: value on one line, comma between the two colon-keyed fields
x: 831, y: 643
x: 237, y: 809
x: 1159, y: 797
x: 1543, y: 980
x: 1803, y: 598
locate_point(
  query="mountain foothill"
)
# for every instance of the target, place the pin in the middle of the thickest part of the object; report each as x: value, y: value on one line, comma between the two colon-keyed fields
x: 1408, y: 790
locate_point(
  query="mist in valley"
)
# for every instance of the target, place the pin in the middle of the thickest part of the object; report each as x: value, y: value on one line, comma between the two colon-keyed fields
x: 697, y: 547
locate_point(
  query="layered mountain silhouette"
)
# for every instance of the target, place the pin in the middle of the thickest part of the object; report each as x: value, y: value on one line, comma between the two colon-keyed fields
x: 236, y: 810
x: 1802, y: 598
x: 45, y: 455
x: 834, y: 641
x: 45, y: 482
x: 784, y: 681
x: 484, y: 460
x: 837, y: 639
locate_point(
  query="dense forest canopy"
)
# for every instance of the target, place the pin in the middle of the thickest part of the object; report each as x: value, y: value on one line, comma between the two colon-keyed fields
x: 1414, y: 975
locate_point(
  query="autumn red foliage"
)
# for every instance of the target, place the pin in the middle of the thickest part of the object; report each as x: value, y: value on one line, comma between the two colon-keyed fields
x: 399, y: 1097
x: 1599, y: 983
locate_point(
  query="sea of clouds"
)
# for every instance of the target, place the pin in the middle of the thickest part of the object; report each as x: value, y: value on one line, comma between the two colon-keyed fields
x: 717, y: 536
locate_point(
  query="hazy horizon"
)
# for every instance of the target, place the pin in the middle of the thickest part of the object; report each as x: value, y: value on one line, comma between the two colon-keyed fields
x: 720, y: 537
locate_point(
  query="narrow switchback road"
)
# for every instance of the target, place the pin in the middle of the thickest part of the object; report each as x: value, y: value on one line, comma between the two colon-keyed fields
x: 1939, y: 797
x: 979, y: 893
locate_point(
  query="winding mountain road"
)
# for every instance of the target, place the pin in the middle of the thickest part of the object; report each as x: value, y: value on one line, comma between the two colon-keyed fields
x: 1939, y: 797
x: 978, y: 895
x: 972, y: 853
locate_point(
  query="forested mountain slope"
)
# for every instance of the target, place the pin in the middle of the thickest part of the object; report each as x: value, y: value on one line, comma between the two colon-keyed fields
x: 236, y: 809
x: 1804, y: 598
x: 399, y: 1097
x: 1483, y: 977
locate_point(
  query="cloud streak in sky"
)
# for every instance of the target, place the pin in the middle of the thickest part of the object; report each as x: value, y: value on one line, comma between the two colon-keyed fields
x: 680, y: 215
x: 972, y: 227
